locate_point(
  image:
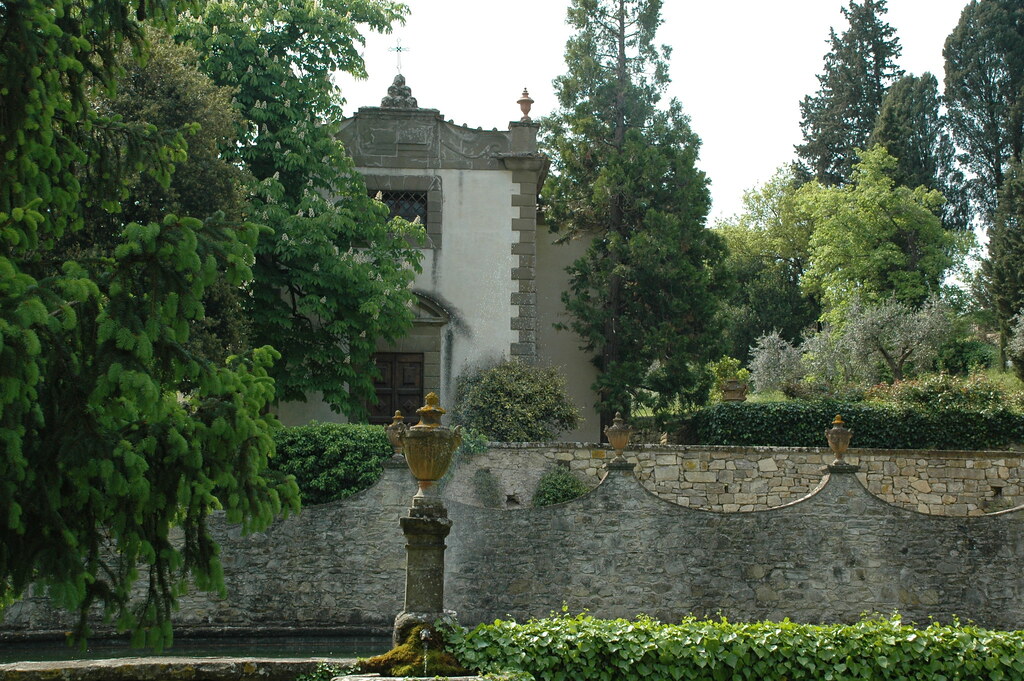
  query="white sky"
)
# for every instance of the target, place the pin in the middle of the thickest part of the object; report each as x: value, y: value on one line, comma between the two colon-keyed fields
x: 739, y: 67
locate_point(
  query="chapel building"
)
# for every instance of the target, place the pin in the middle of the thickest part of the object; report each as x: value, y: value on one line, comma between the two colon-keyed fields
x: 492, y: 279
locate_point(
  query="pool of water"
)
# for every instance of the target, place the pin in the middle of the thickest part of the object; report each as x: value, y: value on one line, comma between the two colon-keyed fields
x: 267, y: 647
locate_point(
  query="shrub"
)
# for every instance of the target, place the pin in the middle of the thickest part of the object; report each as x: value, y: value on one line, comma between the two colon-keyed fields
x: 514, y: 402
x: 331, y: 461
x: 965, y: 356
x: 943, y: 391
x: 882, y: 426
x: 558, y: 486
x: 774, y: 363
x: 584, y: 648
x: 1015, y: 344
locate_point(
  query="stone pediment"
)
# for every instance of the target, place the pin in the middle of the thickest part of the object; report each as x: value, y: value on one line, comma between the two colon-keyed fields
x: 378, y: 137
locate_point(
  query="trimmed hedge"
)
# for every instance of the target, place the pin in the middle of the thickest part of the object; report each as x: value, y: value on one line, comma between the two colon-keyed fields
x: 803, y: 424
x: 583, y: 648
x: 331, y: 461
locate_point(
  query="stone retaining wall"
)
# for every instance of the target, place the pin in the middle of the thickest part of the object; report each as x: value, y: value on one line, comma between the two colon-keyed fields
x: 617, y: 551
x: 742, y: 479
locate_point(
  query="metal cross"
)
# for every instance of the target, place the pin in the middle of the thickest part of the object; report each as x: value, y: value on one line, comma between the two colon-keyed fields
x: 399, y: 50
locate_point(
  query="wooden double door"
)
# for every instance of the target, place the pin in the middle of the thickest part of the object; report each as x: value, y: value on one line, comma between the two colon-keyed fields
x: 400, y: 386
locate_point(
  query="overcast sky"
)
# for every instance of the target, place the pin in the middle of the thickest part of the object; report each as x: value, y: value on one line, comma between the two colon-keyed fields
x: 739, y: 67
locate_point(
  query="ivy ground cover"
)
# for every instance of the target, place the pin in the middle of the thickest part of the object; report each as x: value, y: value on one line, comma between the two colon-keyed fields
x: 583, y: 648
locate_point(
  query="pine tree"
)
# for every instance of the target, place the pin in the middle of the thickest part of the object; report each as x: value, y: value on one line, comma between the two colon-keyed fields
x: 643, y: 297
x: 839, y: 118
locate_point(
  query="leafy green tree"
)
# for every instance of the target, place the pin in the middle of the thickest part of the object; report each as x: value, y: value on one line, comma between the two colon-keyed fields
x: 912, y: 129
x: 874, y: 240
x: 839, y: 118
x: 111, y: 432
x: 333, y: 275
x: 643, y: 297
x: 985, y: 93
x: 769, y: 250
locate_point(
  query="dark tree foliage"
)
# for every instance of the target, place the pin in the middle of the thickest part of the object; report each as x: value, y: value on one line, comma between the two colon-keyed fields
x: 332, y: 274
x: 168, y: 91
x: 913, y: 131
x: 985, y: 94
x: 643, y: 298
x: 1003, y: 269
x: 769, y: 251
x: 839, y: 118
x: 112, y: 433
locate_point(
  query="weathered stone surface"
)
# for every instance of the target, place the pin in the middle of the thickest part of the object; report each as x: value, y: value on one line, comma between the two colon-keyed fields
x: 621, y: 550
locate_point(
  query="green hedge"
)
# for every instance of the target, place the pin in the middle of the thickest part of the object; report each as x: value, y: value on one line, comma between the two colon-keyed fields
x: 802, y: 424
x: 331, y: 461
x: 583, y: 648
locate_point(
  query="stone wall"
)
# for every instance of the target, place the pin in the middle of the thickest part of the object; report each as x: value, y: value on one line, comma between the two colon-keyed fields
x: 746, y: 479
x: 618, y: 551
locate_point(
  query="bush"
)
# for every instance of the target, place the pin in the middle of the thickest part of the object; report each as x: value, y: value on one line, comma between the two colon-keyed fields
x: 774, y: 363
x: 558, y: 486
x: 331, y: 461
x: 964, y: 356
x: 584, y: 648
x: 882, y: 426
x: 514, y: 402
x: 943, y: 391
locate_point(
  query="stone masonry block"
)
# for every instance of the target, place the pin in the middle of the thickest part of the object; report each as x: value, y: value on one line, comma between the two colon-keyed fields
x: 528, y: 212
x: 527, y: 286
x: 528, y: 336
x: 525, y: 177
x: 523, y: 323
x: 524, y: 299
x: 524, y: 199
x: 523, y: 349
x: 524, y: 248
x: 523, y: 273
x: 524, y: 224
x: 528, y: 311
x: 528, y: 261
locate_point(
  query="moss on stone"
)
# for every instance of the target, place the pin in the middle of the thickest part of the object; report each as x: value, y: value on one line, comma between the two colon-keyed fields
x: 407, y: 659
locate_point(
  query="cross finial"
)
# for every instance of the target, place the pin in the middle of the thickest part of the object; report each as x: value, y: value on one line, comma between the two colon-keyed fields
x: 398, y: 50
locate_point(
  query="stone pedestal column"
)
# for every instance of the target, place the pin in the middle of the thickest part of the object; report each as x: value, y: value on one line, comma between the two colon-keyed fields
x: 425, y: 529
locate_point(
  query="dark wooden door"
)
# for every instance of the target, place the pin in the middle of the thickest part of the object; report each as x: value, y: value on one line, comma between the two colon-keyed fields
x: 400, y: 386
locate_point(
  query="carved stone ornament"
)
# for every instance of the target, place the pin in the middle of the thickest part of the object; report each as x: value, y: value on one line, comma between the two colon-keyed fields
x: 429, y: 446
x: 399, y: 95
x: 525, y: 102
x: 838, y: 437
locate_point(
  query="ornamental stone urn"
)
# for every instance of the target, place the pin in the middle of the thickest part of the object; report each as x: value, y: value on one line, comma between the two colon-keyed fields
x: 618, y: 436
x: 734, y: 390
x: 428, y: 446
x: 838, y: 437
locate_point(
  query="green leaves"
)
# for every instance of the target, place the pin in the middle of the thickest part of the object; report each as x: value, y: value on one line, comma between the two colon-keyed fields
x: 874, y: 240
x: 584, y: 648
x: 332, y: 274
x: 331, y: 461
